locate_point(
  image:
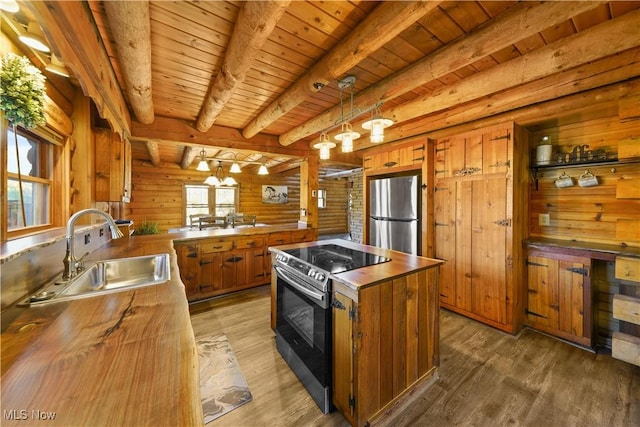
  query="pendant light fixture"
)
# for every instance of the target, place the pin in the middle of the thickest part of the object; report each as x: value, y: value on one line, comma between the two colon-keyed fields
x: 263, y: 170
x: 10, y: 6
x: 203, y: 166
x: 376, y: 125
x: 235, y: 167
x: 324, y: 146
x: 56, y: 66
x: 217, y: 180
x: 347, y: 135
x: 33, y: 38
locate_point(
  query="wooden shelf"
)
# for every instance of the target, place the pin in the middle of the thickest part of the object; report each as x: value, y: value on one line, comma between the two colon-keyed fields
x: 536, y: 168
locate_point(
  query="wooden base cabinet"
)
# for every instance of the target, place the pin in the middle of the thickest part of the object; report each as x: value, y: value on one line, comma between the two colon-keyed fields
x: 558, y: 290
x: 480, y: 207
x: 385, y: 344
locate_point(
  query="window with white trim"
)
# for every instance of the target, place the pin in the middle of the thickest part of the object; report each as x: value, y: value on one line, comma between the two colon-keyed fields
x: 202, y: 199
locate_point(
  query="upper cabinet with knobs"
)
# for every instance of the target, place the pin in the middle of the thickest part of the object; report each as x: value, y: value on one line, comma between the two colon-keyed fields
x: 113, y: 167
x: 394, y: 158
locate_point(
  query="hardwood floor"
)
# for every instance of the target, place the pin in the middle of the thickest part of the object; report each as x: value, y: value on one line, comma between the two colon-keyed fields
x: 487, y: 378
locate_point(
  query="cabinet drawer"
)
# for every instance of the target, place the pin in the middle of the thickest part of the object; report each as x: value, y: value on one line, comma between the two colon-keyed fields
x: 302, y: 236
x: 628, y: 269
x: 215, y: 246
x: 626, y: 308
x: 256, y: 242
x: 279, y: 239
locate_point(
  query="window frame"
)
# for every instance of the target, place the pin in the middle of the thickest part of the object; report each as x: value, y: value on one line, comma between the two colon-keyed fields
x: 211, y: 199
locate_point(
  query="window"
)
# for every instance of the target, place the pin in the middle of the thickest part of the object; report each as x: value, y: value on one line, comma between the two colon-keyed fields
x: 207, y: 200
x: 29, y: 181
x: 322, y: 199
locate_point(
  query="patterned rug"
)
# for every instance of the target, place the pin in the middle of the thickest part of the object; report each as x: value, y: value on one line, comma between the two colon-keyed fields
x: 222, y: 385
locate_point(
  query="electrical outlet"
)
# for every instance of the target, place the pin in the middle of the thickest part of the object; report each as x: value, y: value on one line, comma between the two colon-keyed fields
x: 87, y: 239
x: 544, y: 219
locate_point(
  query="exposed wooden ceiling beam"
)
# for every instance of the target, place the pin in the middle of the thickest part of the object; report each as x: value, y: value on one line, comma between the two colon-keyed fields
x: 517, y: 23
x: 69, y: 27
x: 386, y: 21
x: 188, y: 155
x: 154, y: 153
x: 131, y: 30
x: 254, y: 25
x: 597, y: 42
x: 180, y: 131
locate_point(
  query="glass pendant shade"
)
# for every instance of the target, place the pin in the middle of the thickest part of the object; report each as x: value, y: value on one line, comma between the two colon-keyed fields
x: 56, y: 66
x: 263, y: 170
x: 377, y: 126
x: 324, y: 146
x: 10, y: 6
x: 235, y: 168
x: 203, y: 166
x: 212, y: 180
x: 347, y: 136
x: 33, y: 39
x: 229, y: 181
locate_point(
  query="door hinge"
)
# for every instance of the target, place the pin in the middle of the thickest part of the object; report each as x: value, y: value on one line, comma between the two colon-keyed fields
x: 536, y: 264
x: 440, y: 171
x: 352, y: 402
x: 503, y: 222
x: 579, y: 270
x: 435, y: 189
x: 421, y: 148
x: 337, y: 304
x: 353, y: 313
x: 535, y: 314
x: 497, y: 138
x: 419, y: 159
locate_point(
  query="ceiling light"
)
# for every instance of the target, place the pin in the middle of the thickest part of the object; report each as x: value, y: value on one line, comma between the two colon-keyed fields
x: 229, y: 181
x: 10, y: 6
x: 57, y: 67
x: 324, y: 146
x: 203, y: 166
x: 263, y: 170
x: 217, y: 180
x: 212, y: 180
x: 347, y: 136
x: 376, y: 125
x: 235, y: 168
x: 33, y: 38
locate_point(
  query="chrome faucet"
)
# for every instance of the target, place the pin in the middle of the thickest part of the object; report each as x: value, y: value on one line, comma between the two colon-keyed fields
x: 70, y: 262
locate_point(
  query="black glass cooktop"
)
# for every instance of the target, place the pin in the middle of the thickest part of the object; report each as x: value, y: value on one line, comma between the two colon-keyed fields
x: 335, y: 258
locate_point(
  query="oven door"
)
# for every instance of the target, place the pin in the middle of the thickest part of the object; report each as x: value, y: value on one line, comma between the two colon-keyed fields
x: 304, y: 322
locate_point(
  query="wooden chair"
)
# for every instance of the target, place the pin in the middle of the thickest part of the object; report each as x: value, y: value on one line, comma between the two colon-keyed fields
x: 194, y: 220
x: 241, y: 219
x: 213, y: 222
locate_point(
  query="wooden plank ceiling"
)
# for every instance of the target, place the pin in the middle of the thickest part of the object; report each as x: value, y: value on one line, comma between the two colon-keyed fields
x: 243, y: 77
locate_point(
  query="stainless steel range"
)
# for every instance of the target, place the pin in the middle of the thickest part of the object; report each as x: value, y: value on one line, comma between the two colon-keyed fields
x: 303, y: 323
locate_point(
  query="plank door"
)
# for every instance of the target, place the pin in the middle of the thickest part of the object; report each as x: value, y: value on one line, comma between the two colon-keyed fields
x: 571, y: 297
x: 473, y: 155
x: 444, y: 203
x: 211, y: 279
x: 463, y: 251
x: 342, y: 351
x: 495, y: 151
x: 489, y: 226
x: 542, y: 291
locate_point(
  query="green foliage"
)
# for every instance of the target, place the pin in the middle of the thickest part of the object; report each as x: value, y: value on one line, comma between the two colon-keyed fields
x: 148, y: 228
x: 22, y: 91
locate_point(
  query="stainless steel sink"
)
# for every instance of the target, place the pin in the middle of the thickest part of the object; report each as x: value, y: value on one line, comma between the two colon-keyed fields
x: 105, y: 277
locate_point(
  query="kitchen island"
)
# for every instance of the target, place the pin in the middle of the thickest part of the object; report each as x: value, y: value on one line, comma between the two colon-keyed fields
x: 126, y: 358
x: 384, y: 331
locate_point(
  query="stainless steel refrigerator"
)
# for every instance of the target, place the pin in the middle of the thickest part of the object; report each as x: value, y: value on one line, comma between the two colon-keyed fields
x: 394, y: 213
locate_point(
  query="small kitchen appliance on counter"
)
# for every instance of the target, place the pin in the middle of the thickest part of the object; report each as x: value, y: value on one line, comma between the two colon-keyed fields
x: 303, y: 321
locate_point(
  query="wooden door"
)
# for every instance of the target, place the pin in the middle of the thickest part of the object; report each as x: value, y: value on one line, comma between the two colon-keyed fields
x: 571, y: 297
x: 342, y: 352
x: 255, y: 267
x: 449, y: 158
x: 464, y: 240
x: 542, y: 291
x: 445, y: 237
x: 489, y: 225
x: 189, y: 263
x: 211, y: 279
x: 496, y: 156
x: 472, y: 155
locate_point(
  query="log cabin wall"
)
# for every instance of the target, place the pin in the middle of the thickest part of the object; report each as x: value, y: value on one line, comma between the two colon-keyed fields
x: 599, y: 214
x: 332, y: 219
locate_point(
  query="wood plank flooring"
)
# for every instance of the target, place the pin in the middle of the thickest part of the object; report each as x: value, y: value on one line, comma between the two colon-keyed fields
x: 487, y: 377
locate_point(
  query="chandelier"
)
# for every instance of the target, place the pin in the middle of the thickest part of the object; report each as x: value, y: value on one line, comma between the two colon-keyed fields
x: 217, y: 180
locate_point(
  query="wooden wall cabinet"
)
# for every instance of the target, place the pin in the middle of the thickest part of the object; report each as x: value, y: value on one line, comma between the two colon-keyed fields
x: 385, y: 344
x: 394, y: 159
x: 480, y: 206
x: 112, y: 167
x: 559, y: 295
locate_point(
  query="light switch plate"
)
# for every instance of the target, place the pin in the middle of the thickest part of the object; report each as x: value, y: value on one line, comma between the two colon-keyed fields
x: 544, y: 219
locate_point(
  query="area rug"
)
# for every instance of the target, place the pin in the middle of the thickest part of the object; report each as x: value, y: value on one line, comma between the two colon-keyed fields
x: 222, y: 385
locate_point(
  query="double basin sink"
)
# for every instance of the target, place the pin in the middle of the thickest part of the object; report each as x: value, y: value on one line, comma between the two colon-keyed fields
x: 105, y: 277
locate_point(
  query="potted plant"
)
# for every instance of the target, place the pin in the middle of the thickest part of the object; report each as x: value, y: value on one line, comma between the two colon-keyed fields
x: 22, y: 93
x: 147, y: 228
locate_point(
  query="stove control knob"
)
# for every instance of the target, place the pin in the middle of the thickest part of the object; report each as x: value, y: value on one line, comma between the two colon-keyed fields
x: 312, y: 272
x: 319, y: 276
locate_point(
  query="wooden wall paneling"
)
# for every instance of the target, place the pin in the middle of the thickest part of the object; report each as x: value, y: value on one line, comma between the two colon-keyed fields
x: 445, y: 238
x: 333, y: 218
x: 463, y: 251
x: 628, y: 188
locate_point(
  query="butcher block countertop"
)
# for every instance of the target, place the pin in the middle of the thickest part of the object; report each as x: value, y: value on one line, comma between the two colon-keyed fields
x: 122, y: 359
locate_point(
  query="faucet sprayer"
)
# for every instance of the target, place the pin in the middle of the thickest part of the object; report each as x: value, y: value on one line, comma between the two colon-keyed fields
x: 70, y: 262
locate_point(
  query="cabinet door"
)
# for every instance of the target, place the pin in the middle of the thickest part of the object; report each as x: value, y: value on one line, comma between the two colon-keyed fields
x: 450, y: 157
x: 256, y: 266
x: 489, y: 227
x: 189, y: 264
x: 472, y: 155
x: 496, y: 155
x: 342, y: 352
x: 211, y: 277
x: 109, y: 161
x: 463, y: 248
x: 571, y: 297
x: 542, y: 291
x: 445, y: 238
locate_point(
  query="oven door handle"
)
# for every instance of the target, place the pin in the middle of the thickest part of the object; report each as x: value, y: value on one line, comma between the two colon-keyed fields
x: 291, y: 281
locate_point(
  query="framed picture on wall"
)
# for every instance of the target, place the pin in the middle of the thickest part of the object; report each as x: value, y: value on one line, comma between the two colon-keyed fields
x: 274, y: 194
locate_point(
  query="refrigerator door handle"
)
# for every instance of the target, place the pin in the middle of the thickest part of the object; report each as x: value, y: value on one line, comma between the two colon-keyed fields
x: 382, y: 218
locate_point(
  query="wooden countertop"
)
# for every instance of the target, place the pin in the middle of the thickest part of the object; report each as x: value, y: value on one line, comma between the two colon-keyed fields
x: 400, y: 264
x: 127, y: 358
x: 591, y: 250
